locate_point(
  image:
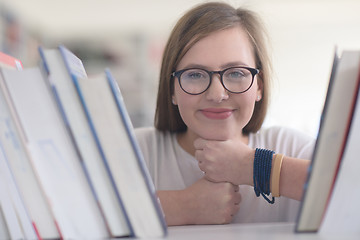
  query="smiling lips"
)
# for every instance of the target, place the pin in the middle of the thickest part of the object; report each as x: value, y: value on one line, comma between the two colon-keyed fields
x: 217, y: 113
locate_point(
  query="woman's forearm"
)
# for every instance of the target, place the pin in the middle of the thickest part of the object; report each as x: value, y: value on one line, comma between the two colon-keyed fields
x: 293, y: 177
x: 171, y: 203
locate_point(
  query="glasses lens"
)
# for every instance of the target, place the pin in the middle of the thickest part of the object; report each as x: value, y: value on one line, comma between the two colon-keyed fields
x: 237, y: 79
x: 194, y: 81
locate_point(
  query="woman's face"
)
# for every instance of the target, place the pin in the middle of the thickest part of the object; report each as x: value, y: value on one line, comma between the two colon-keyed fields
x: 218, y: 114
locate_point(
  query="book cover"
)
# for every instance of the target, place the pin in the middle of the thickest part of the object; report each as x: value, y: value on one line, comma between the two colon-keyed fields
x: 20, y: 163
x: 4, y: 232
x: 343, y: 211
x: 21, y: 224
x: 12, y: 226
x: 54, y: 156
x: 112, y: 134
x: 137, y: 152
x: 331, y: 141
x: 61, y: 66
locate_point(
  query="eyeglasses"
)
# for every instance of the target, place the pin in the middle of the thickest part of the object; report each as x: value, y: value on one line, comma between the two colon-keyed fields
x: 195, y: 81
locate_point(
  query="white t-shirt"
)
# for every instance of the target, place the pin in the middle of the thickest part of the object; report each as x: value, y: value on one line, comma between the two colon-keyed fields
x: 172, y: 168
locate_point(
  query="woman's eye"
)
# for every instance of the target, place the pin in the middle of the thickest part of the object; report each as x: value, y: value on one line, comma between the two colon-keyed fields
x: 236, y: 74
x: 195, y: 75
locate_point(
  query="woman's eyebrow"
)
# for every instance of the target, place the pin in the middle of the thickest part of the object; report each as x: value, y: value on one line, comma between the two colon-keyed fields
x: 227, y: 65
x: 234, y: 64
x: 193, y: 65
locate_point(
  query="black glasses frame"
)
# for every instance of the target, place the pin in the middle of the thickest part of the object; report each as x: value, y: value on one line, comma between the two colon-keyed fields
x: 253, y: 72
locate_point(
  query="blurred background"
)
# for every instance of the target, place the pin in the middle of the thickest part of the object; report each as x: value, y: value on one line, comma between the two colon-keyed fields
x: 128, y: 36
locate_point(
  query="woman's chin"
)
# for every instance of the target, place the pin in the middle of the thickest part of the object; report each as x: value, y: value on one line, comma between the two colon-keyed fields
x: 216, y: 135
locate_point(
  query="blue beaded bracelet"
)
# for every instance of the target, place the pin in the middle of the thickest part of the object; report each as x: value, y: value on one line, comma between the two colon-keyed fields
x: 262, y: 171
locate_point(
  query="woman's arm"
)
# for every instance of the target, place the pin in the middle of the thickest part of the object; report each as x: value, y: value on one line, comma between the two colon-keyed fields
x: 293, y: 176
x: 233, y: 161
x: 204, y: 202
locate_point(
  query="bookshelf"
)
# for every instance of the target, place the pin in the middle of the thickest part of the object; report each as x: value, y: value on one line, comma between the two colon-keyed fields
x: 133, y: 57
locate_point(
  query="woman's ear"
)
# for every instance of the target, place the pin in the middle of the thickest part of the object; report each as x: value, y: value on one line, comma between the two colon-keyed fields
x: 260, y: 87
x: 173, y: 100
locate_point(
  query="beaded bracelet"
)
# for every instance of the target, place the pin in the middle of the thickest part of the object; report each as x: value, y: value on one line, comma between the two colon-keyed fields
x: 261, y: 175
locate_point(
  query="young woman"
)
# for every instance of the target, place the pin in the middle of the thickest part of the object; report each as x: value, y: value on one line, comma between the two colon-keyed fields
x: 210, y: 161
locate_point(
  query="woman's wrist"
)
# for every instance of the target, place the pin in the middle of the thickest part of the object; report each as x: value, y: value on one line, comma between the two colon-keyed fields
x: 172, y: 204
x: 266, y: 173
x: 247, y: 168
x: 262, y: 172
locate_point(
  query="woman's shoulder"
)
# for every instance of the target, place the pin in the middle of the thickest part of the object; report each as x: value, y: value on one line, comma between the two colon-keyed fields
x: 145, y: 132
x: 152, y: 136
x: 149, y: 132
x: 146, y: 135
x: 284, y: 140
x: 282, y: 133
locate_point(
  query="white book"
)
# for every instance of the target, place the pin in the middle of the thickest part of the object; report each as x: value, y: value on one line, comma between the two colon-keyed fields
x: 24, y: 174
x: 113, y: 131
x: 13, y: 226
x: 61, y: 65
x: 12, y: 194
x: 330, y: 144
x: 343, y: 213
x: 4, y: 232
x: 54, y: 157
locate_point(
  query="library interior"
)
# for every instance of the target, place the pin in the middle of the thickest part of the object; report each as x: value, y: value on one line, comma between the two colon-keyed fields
x: 128, y: 38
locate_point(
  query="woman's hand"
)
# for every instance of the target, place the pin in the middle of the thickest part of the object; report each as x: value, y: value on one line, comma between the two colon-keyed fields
x: 204, y: 202
x: 225, y: 161
x: 232, y: 161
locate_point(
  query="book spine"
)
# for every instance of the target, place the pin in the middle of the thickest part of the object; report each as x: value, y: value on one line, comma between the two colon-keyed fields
x: 101, y: 151
x: 141, y: 163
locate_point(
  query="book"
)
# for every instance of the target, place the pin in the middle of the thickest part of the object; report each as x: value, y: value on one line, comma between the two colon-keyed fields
x: 53, y: 156
x: 343, y: 211
x: 12, y: 226
x: 20, y: 164
x: 4, y: 232
x: 20, y: 221
x: 10, y: 62
x: 331, y: 141
x: 61, y: 66
x: 112, y: 129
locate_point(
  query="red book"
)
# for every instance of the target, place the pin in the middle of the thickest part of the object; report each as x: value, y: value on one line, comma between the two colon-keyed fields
x: 9, y: 61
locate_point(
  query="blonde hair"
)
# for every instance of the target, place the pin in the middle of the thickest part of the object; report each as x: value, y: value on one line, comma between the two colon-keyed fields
x: 196, y: 24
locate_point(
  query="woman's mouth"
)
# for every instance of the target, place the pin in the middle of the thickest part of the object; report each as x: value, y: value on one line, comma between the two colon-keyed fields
x: 217, y: 113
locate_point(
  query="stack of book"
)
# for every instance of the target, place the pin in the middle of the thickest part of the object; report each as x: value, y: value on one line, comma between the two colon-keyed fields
x: 70, y: 167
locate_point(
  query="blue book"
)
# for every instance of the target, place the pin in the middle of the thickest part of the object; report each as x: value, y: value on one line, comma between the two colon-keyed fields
x: 112, y: 129
x: 61, y: 67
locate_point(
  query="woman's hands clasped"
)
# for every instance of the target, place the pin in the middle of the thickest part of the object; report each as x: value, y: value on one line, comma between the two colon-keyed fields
x: 213, y: 203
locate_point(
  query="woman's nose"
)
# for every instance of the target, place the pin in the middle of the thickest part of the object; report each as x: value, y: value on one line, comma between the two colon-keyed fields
x: 216, y: 92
